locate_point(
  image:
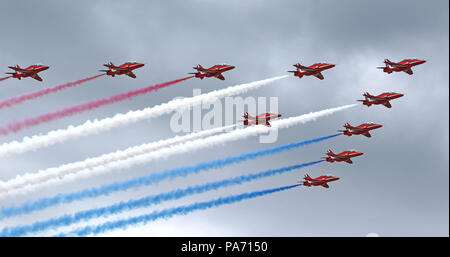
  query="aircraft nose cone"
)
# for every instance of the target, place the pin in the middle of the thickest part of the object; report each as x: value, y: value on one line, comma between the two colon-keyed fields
x: 279, y: 115
x: 45, y: 67
x: 378, y: 126
x: 332, y: 65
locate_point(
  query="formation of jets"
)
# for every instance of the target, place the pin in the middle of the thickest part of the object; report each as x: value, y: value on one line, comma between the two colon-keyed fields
x: 217, y: 70
x: 264, y: 118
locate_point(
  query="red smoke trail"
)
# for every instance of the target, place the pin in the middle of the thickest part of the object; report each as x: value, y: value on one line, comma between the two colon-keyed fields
x: 16, y: 126
x: 28, y: 96
x: 1, y: 79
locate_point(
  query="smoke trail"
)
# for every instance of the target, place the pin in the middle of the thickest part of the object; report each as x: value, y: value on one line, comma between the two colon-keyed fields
x: 1, y: 79
x: 29, y: 96
x: 58, y: 173
x: 169, y: 212
x: 29, y: 122
x: 145, y: 153
x: 97, y: 126
x: 70, y: 219
x: 150, y: 179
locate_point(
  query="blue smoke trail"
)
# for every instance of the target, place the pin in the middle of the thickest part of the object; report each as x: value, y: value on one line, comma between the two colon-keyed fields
x: 167, y: 213
x: 46, y: 202
x: 69, y: 219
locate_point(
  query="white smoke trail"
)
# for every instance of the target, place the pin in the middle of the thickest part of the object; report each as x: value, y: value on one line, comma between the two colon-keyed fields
x: 145, y: 156
x: 43, y: 176
x: 97, y: 126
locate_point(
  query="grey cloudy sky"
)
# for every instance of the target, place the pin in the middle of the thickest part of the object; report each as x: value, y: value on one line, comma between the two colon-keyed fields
x: 399, y: 187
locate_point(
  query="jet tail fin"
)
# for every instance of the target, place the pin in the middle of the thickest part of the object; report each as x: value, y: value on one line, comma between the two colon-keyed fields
x: 367, y: 95
x: 298, y: 66
x: 198, y: 67
x: 330, y: 153
x: 109, y: 65
x: 247, y: 116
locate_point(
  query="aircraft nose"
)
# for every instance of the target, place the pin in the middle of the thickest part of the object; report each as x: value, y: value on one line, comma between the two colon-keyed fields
x: 279, y: 115
x: 45, y: 67
x: 332, y: 65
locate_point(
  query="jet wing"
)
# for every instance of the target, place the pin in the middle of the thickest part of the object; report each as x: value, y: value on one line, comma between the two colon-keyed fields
x: 220, y: 76
x: 398, y: 65
x: 409, y: 71
x: 120, y: 69
x: 387, y: 104
x: 305, y: 68
x: 131, y: 74
x: 357, y: 129
x: 374, y: 98
x: 348, y: 161
x: 325, y: 185
x: 367, y: 134
x: 319, y: 75
x: 207, y: 71
x: 36, y: 77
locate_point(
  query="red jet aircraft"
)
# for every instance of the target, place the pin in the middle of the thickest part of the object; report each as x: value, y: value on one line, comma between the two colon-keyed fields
x: 30, y: 71
x: 404, y: 65
x: 126, y: 68
x: 362, y: 129
x: 314, y: 69
x: 214, y: 71
x: 342, y: 157
x: 260, y: 119
x: 383, y: 99
x: 319, y: 181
